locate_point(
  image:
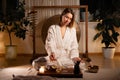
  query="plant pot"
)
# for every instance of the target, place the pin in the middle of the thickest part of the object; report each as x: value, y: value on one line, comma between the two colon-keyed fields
x: 11, y: 51
x: 108, y: 52
x: 90, y: 17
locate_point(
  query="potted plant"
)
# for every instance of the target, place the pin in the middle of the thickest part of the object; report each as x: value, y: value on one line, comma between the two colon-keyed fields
x: 14, y: 23
x: 107, y: 30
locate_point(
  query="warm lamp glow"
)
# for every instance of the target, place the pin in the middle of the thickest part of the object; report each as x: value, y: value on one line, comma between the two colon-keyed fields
x: 42, y: 69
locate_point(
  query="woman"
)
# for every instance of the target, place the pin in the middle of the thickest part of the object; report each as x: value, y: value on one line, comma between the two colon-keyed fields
x: 61, y: 42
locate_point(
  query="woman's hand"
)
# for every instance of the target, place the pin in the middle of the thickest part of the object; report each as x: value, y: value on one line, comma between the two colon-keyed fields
x: 75, y: 59
x: 52, y: 57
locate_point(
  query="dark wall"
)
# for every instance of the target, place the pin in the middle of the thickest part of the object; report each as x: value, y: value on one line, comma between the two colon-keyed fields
x: 101, y: 8
x: 93, y: 5
x: 10, y: 5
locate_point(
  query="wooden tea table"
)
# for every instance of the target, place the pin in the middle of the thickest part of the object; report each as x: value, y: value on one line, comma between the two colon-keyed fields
x: 65, y: 73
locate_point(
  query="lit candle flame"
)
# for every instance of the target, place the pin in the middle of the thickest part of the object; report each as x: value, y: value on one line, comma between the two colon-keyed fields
x: 42, y: 69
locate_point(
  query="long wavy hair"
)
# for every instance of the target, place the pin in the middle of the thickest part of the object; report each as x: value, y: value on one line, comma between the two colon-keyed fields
x: 65, y: 11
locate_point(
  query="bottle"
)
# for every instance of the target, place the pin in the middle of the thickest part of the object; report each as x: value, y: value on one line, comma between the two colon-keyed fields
x: 77, y: 68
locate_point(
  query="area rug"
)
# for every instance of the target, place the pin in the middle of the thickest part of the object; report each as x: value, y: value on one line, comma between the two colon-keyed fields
x: 33, y: 78
x: 7, y: 73
x: 103, y: 74
x: 26, y: 72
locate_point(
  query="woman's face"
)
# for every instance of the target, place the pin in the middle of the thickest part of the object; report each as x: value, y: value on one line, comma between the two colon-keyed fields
x: 66, y: 19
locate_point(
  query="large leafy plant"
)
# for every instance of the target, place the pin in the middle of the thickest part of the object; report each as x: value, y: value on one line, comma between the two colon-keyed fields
x: 106, y: 28
x: 15, y: 22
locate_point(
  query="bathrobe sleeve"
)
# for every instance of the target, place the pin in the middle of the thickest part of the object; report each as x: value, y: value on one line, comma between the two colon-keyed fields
x: 50, y: 41
x: 74, y: 52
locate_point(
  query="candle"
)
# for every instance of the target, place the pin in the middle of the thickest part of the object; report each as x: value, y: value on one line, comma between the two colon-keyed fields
x: 42, y: 69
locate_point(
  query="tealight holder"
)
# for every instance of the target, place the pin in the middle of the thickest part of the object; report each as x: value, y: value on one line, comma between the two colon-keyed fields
x: 42, y: 69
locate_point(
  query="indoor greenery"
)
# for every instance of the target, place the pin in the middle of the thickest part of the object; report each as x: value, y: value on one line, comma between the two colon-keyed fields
x: 15, y: 22
x: 99, y: 9
x: 107, y: 28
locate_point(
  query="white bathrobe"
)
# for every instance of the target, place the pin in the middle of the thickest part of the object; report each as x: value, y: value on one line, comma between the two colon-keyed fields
x: 64, y: 48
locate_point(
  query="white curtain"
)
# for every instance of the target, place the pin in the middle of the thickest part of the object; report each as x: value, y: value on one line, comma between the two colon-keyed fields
x: 45, y: 13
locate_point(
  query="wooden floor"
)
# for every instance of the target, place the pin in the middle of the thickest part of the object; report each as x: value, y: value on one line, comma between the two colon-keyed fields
x: 109, y: 68
x: 97, y: 59
x: 20, y: 60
